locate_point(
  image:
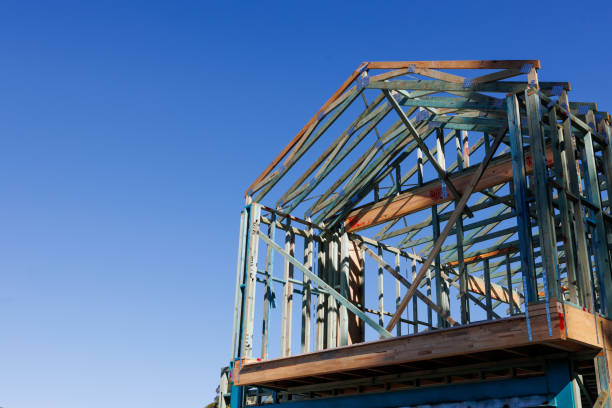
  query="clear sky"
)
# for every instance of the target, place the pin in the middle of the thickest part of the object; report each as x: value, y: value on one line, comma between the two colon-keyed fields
x: 128, y: 133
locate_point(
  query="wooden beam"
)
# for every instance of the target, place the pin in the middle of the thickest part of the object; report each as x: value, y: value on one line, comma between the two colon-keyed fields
x: 508, y: 333
x: 498, y: 292
x: 480, y: 257
x: 419, y: 198
x: 474, y: 64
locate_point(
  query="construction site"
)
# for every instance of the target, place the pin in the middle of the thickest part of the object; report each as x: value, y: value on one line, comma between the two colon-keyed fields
x: 438, y: 234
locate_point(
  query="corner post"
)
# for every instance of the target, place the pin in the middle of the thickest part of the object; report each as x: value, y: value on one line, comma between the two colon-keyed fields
x: 520, y: 198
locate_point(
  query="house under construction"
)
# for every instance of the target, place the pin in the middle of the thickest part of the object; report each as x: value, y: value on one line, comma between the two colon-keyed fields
x: 438, y: 234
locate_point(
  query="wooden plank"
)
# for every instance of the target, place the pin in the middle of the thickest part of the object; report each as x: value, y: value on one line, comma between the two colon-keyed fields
x: 473, y: 64
x: 478, y: 285
x: 497, y: 76
x: 356, y: 326
x: 480, y: 257
x: 443, y: 76
x: 418, y: 198
x: 456, y: 341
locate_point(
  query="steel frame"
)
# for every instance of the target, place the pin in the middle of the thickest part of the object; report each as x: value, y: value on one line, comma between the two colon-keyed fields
x: 521, y: 216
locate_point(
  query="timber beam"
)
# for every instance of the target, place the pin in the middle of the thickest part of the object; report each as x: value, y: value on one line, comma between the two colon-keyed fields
x: 575, y: 331
x: 432, y: 193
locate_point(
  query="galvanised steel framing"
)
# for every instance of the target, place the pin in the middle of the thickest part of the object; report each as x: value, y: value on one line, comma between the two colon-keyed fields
x: 520, y: 215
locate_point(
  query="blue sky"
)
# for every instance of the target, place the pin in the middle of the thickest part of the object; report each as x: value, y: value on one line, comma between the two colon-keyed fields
x: 128, y: 133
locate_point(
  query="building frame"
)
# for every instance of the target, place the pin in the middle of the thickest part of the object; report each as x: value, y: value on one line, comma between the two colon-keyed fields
x: 507, y: 291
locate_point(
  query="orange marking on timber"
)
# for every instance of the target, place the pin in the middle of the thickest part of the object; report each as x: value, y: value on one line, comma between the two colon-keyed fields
x: 486, y: 255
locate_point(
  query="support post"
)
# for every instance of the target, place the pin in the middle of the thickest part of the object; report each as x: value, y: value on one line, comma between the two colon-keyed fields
x: 287, y: 305
x: 600, y: 242
x: 566, y: 208
x: 322, y: 272
x: 487, y: 281
x: 239, y: 293
x: 250, y: 281
x: 442, y: 289
x: 572, y: 170
x: 307, y: 292
x: 509, y: 285
x: 543, y: 198
x: 268, y: 290
x: 344, y: 288
x: 520, y: 199
x: 332, y: 305
x: 381, y: 295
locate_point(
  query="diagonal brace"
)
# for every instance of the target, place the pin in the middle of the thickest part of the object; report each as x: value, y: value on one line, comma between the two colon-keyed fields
x: 447, y: 228
x: 421, y: 143
x: 321, y: 283
x: 404, y: 281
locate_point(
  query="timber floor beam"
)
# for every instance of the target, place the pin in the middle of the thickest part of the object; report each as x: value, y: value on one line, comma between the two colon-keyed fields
x: 573, y: 331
